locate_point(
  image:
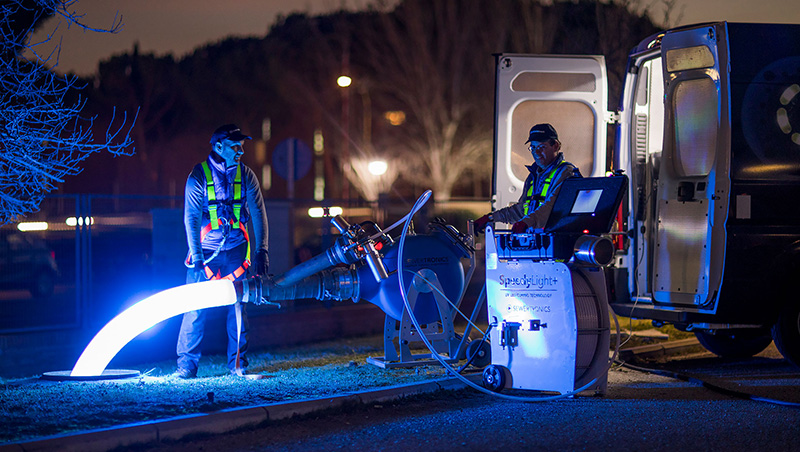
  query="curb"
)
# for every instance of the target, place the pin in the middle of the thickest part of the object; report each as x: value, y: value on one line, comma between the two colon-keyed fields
x: 227, y: 420
x: 658, y: 350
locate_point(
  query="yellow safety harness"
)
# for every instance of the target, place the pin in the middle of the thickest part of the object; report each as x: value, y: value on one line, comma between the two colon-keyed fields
x: 212, y: 196
x: 216, y: 222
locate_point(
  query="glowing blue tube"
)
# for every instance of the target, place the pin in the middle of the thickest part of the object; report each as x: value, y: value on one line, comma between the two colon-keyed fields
x: 144, y: 315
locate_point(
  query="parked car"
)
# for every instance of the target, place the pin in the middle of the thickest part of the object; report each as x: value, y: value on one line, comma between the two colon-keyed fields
x: 26, y: 262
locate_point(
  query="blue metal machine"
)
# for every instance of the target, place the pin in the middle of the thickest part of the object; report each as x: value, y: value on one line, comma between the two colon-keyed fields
x: 363, y: 265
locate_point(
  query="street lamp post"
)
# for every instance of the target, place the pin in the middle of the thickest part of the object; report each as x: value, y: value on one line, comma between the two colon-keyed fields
x: 344, y: 82
x: 378, y: 168
x: 366, y: 114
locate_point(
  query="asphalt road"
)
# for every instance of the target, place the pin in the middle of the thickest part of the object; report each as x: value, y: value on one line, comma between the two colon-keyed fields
x: 641, y: 411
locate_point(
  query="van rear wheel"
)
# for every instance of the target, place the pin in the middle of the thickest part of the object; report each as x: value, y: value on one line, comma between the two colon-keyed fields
x: 786, y: 333
x: 735, y: 343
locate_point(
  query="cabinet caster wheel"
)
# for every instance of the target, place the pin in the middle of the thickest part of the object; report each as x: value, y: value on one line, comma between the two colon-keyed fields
x: 495, y: 378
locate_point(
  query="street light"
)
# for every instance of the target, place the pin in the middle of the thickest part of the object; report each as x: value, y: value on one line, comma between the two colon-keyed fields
x: 323, y: 212
x: 377, y: 167
x: 344, y: 81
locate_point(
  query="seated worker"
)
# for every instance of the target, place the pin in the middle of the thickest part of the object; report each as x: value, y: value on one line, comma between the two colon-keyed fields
x: 541, y: 186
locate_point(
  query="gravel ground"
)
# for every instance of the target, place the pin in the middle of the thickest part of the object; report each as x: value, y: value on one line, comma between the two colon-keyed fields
x: 640, y: 412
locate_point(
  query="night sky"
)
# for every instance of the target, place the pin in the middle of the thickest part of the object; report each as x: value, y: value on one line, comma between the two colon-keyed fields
x: 179, y: 26
x: 172, y: 26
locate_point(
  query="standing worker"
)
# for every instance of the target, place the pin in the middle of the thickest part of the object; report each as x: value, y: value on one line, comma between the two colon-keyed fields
x: 222, y: 195
x: 541, y: 186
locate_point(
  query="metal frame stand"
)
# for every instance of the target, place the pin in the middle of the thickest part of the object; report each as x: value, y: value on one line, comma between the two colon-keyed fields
x: 443, y: 341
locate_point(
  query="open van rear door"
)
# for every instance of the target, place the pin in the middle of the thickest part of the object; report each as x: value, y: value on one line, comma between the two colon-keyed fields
x: 694, y: 183
x: 569, y: 92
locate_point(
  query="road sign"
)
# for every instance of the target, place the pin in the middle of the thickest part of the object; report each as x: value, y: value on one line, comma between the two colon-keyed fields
x: 292, y: 159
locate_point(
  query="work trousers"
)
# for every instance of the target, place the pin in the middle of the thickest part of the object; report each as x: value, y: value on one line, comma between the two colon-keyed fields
x: 193, y: 324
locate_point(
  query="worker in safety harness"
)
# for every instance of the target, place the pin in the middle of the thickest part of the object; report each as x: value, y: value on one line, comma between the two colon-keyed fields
x: 222, y: 195
x: 541, y: 186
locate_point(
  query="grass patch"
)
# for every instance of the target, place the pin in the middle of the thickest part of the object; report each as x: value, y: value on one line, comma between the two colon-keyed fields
x: 33, y: 408
x: 635, y: 332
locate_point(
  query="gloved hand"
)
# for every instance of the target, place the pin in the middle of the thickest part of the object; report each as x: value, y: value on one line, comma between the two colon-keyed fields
x: 519, y: 227
x: 480, y: 223
x: 261, y: 263
x: 196, y: 273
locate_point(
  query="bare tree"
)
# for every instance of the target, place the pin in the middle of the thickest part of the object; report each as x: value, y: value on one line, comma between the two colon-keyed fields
x: 434, y: 58
x: 150, y: 84
x: 319, y: 48
x: 538, y: 27
x: 43, y: 137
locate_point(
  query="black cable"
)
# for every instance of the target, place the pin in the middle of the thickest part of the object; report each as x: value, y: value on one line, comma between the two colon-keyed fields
x: 711, y: 386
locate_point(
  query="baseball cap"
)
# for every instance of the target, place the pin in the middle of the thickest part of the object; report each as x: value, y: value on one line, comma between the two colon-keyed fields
x: 228, y: 132
x: 542, y: 132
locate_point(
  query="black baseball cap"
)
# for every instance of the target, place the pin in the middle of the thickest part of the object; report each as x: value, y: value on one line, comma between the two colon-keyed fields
x: 228, y: 132
x: 542, y: 132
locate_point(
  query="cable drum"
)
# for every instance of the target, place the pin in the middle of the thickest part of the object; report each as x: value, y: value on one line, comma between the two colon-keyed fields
x: 594, y: 331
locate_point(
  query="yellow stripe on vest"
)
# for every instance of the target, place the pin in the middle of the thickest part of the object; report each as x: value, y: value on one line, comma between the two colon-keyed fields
x: 212, y: 196
x: 545, y: 188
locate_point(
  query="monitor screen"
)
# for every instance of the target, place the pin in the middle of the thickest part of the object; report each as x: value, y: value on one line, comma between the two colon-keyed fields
x: 586, y: 201
x: 586, y: 205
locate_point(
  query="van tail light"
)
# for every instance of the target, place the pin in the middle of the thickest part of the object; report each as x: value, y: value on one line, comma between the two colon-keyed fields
x: 619, y: 240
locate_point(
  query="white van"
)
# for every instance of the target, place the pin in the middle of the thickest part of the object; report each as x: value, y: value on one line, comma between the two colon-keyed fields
x: 708, y: 131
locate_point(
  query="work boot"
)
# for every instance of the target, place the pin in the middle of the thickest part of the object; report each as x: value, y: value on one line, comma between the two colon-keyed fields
x: 184, y: 373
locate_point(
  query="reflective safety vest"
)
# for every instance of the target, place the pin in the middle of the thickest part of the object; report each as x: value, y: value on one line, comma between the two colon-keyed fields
x: 212, y: 196
x: 216, y: 222
x: 526, y: 206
